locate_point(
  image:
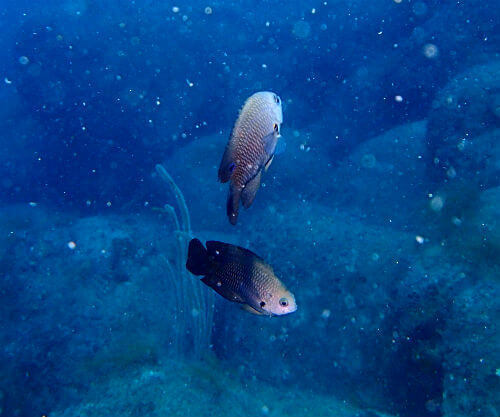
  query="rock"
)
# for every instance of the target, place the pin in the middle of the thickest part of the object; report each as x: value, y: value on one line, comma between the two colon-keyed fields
x: 384, y: 177
x: 463, y: 127
x: 471, y: 379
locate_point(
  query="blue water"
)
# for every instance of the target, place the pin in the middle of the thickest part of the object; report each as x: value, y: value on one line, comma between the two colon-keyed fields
x: 381, y: 215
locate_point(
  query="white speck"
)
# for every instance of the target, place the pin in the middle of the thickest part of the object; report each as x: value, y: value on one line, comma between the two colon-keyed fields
x: 33, y: 204
x: 264, y: 65
x: 108, y: 203
x: 219, y: 284
x: 420, y: 240
x: 158, y: 102
x: 326, y: 313
x: 71, y: 245
x: 399, y: 99
x: 189, y: 83
x: 208, y: 10
x: 313, y: 11
x: 175, y: 9
x: 7, y: 81
x: 268, y: 24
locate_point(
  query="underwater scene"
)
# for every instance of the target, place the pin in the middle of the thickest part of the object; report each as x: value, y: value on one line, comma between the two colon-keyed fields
x: 249, y: 208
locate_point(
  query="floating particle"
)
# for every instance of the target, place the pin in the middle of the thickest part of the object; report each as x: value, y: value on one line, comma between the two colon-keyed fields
x: 456, y: 221
x: 430, y: 50
x: 122, y: 25
x: 368, y: 160
x: 175, y: 9
x: 398, y: 1
x: 33, y: 204
x: 189, y: 83
x: 301, y: 29
x: 24, y: 60
x: 420, y: 240
x: 108, y: 204
x: 7, y: 81
x: 265, y: 409
x: 437, y: 203
x: 323, y: 26
x: 326, y: 313
x: 398, y: 98
x: 451, y: 173
x: 71, y: 245
x: 208, y: 10
x: 420, y: 8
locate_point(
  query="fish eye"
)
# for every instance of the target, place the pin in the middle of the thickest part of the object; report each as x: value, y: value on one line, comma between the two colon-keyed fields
x: 276, y: 127
x: 276, y: 99
x: 283, y: 302
x: 262, y: 303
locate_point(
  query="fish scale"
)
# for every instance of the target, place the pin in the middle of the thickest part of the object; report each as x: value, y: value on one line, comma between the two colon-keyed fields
x: 246, y: 152
x: 240, y: 276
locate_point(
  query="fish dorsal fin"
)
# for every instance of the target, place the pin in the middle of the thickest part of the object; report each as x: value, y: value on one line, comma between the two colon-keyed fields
x: 227, y: 164
x: 249, y: 192
x: 220, y: 288
x: 228, y: 251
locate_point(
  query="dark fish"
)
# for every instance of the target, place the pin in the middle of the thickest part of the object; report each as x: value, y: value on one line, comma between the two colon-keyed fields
x: 241, y: 276
x: 250, y: 148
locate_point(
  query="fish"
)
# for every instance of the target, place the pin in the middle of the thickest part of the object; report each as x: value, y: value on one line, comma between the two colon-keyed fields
x: 240, y: 276
x: 250, y: 149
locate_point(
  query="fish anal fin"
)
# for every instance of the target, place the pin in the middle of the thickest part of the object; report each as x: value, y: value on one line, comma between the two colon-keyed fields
x: 251, y: 310
x: 250, y: 190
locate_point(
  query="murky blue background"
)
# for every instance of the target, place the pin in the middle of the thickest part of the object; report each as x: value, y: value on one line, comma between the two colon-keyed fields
x: 382, y: 215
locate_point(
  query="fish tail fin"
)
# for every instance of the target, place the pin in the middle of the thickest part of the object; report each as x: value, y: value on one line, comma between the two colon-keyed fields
x: 197, y: 262
x: 232, y: 206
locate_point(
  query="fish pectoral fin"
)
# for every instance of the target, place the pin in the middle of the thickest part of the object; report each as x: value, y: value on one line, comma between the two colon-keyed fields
x: 252, y: 310
x: 222, y: 289
x: 248, y: 193
x: 268, y: 163
x: 280, y: 146
x: 269, y: 142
